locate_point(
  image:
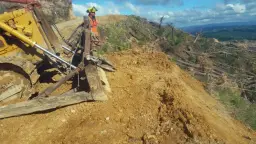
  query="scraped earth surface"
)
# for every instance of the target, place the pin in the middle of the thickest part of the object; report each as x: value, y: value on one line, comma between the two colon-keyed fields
x: 152, y: 101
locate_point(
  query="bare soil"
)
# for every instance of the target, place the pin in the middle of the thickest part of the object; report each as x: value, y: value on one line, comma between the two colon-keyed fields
x: 152, y: 101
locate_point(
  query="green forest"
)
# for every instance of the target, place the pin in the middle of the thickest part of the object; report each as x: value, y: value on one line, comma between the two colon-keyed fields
x: 232, y: 33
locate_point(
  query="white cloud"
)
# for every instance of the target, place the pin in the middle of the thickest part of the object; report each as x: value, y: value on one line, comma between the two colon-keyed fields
x: 238, y: 8
x: 170, y: 13
x: 220, y: 6
x: 253, y: 14
x: 222, y: 12
x: 113, y: 11
x: 132, y: 7
x: 79, y: 9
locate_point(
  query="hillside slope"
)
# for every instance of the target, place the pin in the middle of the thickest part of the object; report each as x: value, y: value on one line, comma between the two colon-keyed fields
x: 152, y: 101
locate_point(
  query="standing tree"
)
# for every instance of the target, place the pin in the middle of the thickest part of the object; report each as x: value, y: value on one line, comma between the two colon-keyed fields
x: 172, y: 27
x: 198, y: 36
x: 161, y: 21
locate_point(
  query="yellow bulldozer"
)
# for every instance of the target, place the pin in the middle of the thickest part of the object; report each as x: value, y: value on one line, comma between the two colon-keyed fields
x: 26, y: 40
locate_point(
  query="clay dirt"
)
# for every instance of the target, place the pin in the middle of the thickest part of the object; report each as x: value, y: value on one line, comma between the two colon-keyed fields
x: 152, y: 101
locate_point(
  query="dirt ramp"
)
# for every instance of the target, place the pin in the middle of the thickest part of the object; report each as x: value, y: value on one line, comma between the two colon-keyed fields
x: 152, y: 102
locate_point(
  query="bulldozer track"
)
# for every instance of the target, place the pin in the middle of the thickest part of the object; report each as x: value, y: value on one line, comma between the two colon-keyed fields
x: 13, y: 86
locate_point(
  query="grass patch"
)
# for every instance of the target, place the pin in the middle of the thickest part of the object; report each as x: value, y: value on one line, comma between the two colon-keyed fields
x: 241, y: 108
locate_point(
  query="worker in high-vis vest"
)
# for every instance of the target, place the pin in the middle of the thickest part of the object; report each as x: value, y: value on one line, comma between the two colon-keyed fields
x: 94, y: 31
x: 93, y: 21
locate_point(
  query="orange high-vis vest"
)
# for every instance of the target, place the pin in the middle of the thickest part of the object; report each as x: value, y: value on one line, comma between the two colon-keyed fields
x: 94, y: 25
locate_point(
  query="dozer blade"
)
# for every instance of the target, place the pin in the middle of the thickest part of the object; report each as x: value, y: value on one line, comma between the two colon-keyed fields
x: 52, y: 88
x: 43, y: 104
x: 48, y: 103
x: 103, y: 63
x: 96, y: 88
x: 106, y: 67
x: 91, y: 72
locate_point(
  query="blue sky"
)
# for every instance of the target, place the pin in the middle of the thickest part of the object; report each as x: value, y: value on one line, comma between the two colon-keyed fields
x: 179, y: 12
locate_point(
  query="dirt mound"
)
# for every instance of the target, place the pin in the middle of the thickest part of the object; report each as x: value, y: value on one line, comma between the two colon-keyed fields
x: 152, y: 101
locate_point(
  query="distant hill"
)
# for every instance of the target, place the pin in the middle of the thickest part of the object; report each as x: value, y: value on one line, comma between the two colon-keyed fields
x: 232, y: 33
x: 226, y: 31
x: 197, y: 28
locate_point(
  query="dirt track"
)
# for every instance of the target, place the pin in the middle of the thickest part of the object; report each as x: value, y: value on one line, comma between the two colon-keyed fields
x: 68, y: 27
x: 152, y: 101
